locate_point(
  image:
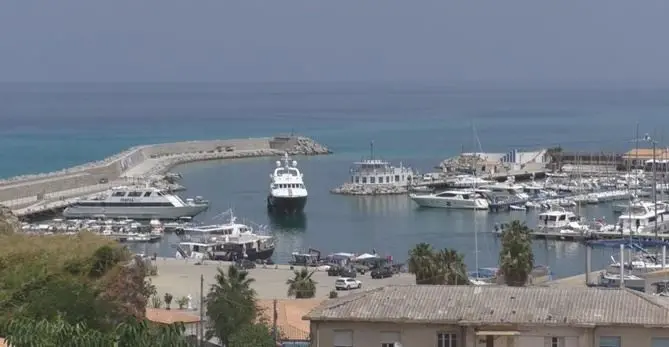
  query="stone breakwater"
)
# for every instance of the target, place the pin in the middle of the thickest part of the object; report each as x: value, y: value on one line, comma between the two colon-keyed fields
x: 145, y: 161
x: 366, y: 189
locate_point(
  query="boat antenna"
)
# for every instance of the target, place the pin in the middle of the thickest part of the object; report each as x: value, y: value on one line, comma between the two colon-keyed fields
x: 371, y: 150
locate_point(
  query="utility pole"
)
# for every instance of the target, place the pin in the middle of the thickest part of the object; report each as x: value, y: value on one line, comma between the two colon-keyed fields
x: 274, y: 329
x: 201, y: 310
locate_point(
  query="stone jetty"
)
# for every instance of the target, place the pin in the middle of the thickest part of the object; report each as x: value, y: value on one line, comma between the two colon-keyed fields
x: 34, y: 193
x: 366, y: 189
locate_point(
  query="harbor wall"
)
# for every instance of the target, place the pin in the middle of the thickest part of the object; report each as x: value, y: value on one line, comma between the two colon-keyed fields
x: 156, y: 158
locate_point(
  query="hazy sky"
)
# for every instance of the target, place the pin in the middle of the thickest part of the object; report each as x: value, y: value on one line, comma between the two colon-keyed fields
x: 561, y: 41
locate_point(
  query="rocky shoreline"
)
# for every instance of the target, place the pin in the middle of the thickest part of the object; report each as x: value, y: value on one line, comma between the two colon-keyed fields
x: 303, y: 146
x: 360, y: 189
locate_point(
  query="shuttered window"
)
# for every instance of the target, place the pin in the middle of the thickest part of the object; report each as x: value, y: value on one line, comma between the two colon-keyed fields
x: 390, y: 339
x: 660, y: 342
x: 343, y: 338
x: 609, y: 341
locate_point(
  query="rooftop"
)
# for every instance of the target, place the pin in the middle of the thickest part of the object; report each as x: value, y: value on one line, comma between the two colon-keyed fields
x: 289, y: 316
x: 644, y: 153
x: 474, y: 305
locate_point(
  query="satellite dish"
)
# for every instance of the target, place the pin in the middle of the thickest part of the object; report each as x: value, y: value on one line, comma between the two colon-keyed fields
x: 294, y: 163
x: 278, y: 163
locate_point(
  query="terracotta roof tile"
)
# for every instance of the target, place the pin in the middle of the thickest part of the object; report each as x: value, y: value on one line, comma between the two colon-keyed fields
x: 475, y: 305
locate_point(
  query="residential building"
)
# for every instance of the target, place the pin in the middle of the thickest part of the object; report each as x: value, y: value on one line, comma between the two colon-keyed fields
x: 638, y: 158
x: 491, y: 316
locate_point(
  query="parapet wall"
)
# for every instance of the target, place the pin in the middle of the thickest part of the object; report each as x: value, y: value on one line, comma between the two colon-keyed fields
x: 113, y: 167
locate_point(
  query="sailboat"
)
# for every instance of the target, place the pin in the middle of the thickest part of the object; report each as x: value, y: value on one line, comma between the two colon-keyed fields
x: 482, y: 276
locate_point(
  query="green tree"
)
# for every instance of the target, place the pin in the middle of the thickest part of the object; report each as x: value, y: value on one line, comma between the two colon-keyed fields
x: 421, y: 264
x: 451, y: 268
x: 302, y: 286
x: 256, y: 335
x: 443, y: 267
x: 25, y: 332
x: 231, y: 304
x: 516, y: 259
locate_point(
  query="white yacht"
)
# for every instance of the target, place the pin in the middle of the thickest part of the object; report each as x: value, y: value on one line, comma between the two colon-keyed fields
x: 456, y: 199
x: 235, y: 238
x: 288, y: 193
x: 136, y: 203
x: 467, y: 181
x: 556, y: 220
x: 508, y: 188
x: 642, y: 216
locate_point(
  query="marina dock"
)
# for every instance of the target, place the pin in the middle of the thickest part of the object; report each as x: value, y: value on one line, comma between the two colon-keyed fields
x: 31, y: 195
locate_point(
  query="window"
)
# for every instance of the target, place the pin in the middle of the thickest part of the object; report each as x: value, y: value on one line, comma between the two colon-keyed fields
x: 118, y: 194
x: 364, y: 180
x: 387, y: 179
x: 372, y: 180
x: 135, y: 194
x: 447, y: 340
x: 147, y: 194
x: 609, y: 341
x: 343, y: 338
x: 660, y: 342
x: 554, y: 342
x: 390, y: 339
x: 397, y: 178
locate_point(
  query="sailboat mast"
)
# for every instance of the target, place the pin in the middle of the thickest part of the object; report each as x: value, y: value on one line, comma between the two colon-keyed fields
x: 476, y: 239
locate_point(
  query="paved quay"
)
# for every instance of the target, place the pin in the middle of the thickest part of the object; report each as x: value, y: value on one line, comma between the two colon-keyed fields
x: 31, y: 194
x: 181, y: 277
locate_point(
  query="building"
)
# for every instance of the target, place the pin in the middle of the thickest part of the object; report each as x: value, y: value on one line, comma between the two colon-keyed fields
x: 164, y: 316
x: 491, y: 163
x: 491, y: 316
x: 642, y: 157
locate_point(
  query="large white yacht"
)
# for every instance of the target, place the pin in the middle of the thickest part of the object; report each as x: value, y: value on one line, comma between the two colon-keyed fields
x: 642, y: 216
x: 136, y: 203
x: 456, y: 199
x: 287, y: 192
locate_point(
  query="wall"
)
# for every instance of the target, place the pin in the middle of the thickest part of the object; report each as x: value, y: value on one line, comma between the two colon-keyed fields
x: 369, y: 334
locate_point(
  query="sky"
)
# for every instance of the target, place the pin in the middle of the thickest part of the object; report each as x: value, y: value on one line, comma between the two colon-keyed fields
x: 496, y: 41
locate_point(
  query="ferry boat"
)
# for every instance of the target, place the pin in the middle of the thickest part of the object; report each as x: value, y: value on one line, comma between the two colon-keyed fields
x: 287, y: 192
x: 235, y: 240
x: 456, y: 199
x: 142, y: 203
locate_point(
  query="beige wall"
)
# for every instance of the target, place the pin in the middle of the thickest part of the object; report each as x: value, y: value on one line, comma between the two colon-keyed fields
x: 370, y: 334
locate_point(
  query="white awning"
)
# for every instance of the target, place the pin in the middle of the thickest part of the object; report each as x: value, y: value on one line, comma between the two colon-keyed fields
x: 496, y: 333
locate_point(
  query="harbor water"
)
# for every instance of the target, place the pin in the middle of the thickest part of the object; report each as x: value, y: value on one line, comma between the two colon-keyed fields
x: 49, y: 127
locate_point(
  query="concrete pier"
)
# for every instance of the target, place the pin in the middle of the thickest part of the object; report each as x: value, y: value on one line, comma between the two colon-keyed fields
x: 32, y: 194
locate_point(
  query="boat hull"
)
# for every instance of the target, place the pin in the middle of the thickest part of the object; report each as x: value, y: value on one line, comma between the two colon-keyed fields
x: 286, y: 205
x: 137, y: 213
x: 430, y: 201
x: 251, y: 254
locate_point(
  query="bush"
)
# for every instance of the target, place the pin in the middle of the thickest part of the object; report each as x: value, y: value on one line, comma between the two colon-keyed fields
x: 333, y: 294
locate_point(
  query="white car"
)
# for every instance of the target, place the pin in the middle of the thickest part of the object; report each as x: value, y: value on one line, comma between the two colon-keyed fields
x: 347, y: 283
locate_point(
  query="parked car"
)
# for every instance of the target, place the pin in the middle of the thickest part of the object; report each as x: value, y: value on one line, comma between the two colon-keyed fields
x: 383, y: 272
x: 340, y: 271
x: 347, y: 283
x: 244, y: 264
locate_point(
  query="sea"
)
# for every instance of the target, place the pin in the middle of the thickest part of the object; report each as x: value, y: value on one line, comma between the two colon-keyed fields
x: 51, y: 126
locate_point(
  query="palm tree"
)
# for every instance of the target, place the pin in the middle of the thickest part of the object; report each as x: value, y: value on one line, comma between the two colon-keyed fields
x: 421, y: 263
x: 451, y: 267
x: 302, y: 286
x: 231, y: 303
x: 516, y: 259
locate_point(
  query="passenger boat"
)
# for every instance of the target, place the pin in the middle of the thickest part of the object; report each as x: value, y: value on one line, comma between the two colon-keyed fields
x: 287, y: 191
x: 140, y: 203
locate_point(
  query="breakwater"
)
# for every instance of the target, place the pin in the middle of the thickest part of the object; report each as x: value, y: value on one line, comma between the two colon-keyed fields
x: 30, y: 193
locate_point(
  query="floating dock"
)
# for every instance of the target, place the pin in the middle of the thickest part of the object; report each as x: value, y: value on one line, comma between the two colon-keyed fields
x: 32, y: 195
x: 583, y: 237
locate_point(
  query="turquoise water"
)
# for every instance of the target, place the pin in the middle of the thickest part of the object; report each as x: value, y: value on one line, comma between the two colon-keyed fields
x: 51, y: 126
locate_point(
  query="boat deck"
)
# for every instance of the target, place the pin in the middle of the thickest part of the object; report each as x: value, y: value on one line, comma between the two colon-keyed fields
x: 582, y: 237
